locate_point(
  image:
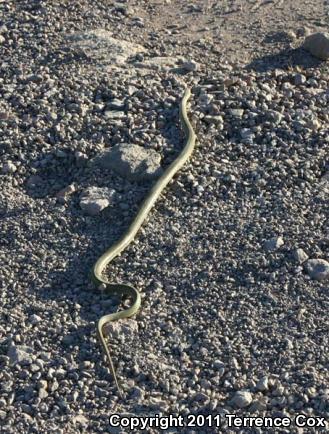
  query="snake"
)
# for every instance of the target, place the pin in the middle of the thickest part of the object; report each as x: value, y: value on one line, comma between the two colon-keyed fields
x: 123, y: 290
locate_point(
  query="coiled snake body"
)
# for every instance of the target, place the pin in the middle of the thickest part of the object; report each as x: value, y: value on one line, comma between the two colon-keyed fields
x: 121, y: 289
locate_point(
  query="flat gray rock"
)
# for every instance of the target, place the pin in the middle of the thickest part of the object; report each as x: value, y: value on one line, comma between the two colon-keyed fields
x: 99, y: 45
x: 21, y: 355
x: 318, y: 269
x: 94, y: 199
x: 130, y: 161
x: 318, y: 45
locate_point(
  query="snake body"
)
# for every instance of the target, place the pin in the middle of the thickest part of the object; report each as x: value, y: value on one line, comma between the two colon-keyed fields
x: 124, y: 290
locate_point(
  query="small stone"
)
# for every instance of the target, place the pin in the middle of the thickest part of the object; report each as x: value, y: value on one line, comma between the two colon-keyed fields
x: 114, y: 114
x: 262, y: 384
x: 318, y: 45
x: 62, y: 194
x: 246, y: 134
x: 136, y: 393
x: 94, y: 199
x: 299, y: 79
x: 80, y: 158
x: 238, y: 113
x: 218, y: 364
x: 21, y: 355
x: 190, y: 66
x: 9, y: 167
x: 214, y: 119
x: 116, y: 104
x: 274, y: 116
x: 273, y: 244
x: 42, y: 393
x: 34, y: 319
x: 314, y: 124
x: 131, y: 161
x: 80, y: 419
x: 3, y: 414
x: 300, y: 256
x: 242, y: 399
x: 318, y: 269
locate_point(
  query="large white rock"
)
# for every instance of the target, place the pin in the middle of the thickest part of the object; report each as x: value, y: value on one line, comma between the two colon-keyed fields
x: 131, y: 161
x: 318, y: 45
x: 99, y: 45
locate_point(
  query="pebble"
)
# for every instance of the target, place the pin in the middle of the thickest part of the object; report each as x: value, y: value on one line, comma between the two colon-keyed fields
x: 9, y: 167
x: 300, y: 256
x: 273, y: 244
x: 274, y: 116
x: 242, y: 399
x: 21, y: 355
x: 318, y: 269
x: 238, y: 113
x: 262, y: 384
x: 35, y: 319
x: 299, y: 79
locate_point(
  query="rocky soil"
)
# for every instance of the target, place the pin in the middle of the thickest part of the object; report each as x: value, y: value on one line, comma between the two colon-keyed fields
x: 233, y: 262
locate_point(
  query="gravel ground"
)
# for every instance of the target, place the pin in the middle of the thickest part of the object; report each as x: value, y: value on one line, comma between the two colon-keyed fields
x: 232, y: 263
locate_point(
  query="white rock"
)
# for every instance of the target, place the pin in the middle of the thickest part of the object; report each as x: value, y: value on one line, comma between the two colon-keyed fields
x: 94, y: 199
x: 80, y: 419
x: 21, y: 355
x: 238, y: 113
x: 9, y: 167
x: 42, y: 393
x: 131, y: 161
x: 262, y: 384
x: 34, y: 319
x: 273, y: 244
x: 318, y: 45
x: 246, y: 134
x: 99, y: 45
x: 318, y: 269
x: 300, y: 256
x: 242, y: 399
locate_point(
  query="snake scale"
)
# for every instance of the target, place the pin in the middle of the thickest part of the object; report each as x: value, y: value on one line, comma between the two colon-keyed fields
x: 121, y: 289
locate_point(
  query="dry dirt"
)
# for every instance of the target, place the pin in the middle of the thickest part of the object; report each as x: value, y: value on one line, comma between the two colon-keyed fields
x: 236, y: 31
